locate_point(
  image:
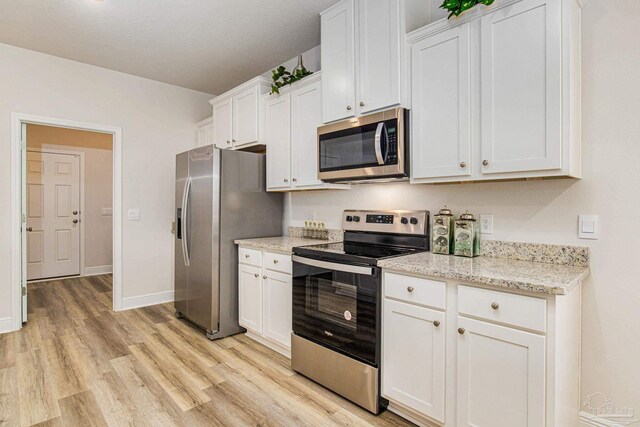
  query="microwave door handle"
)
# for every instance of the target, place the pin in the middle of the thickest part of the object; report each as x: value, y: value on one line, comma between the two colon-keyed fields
x: 368, y: 271
x: 378, y: 143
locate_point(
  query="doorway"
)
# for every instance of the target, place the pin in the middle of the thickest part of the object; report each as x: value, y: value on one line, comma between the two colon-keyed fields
x: 48, y: 189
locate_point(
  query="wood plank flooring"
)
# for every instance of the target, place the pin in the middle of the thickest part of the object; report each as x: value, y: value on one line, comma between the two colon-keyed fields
x: 77, y: 363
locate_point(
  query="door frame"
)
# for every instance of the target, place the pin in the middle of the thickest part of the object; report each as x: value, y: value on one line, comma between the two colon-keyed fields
x: 80, y: 155
x: 18, y: 162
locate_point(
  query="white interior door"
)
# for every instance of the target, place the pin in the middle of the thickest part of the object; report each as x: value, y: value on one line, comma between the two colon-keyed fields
x: 53, y: 215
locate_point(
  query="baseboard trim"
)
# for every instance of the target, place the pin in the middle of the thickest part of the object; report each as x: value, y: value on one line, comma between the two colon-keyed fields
x: 146, y: 300
x: 590, y: 420
x: 6, y: 325
x: 410, y: 415
x: 95, y: 271
x: 286, y: 352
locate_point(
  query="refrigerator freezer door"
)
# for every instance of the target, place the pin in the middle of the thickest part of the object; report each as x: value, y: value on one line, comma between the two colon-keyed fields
x: 181, y: 271
x: 202, y: 232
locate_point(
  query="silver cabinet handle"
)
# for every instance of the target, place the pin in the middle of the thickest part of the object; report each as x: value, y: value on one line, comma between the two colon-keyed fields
x: 361, y: 103
x: 348, y: 107
x: 463, y: 165
x: 410, y: 288
x: 436, y: 323
x: 30, y: 229
x: 495, y: 305
x: 257, y: 275
x: 485, y: 163
x: 461, y: 331
x: 275, y: 261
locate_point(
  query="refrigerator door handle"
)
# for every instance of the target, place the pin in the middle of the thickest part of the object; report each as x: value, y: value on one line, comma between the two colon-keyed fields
x: 185, y: 234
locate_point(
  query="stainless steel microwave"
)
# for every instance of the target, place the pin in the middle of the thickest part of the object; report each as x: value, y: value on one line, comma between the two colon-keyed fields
x: 373, y: 147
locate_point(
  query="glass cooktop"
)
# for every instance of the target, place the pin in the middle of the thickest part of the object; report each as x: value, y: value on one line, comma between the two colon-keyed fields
x: 345, y: 251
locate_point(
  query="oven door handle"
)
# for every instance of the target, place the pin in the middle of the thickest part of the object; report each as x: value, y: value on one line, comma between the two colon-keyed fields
x: 378, y: 143
x: 368, y: 271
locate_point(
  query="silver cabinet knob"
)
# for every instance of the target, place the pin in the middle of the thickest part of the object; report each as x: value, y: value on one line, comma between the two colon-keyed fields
x: 463, y: 165
x: 275, y: 261
x: 461, y: 331
x: 436, y: 323
x: 348, y: 107
x: 233, y: 140
x: 361, y: 104
x: 264, y: 277
x: 485, y: 163
x: 228, y: 142
x: 75, y: 221
x: 295, y: 179
x: 75, y: 212
x: 410, y: 288
x: 257, y: 275
x: 286, y: 180
x: 30, y: 229
x: 247, y: 255
x: 495, y: 305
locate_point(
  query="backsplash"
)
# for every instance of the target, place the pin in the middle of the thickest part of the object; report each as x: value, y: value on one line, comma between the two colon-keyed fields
x: 577, y: 256
x: 333, y: 234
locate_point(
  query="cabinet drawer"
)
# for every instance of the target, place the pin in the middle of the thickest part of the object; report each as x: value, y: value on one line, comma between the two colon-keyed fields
x: 510, y: 309
x: 250, y: 256
x: 277, y: 262
x: 415, y: 290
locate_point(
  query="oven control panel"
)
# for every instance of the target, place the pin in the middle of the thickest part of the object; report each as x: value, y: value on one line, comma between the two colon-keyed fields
x: 398, y: 222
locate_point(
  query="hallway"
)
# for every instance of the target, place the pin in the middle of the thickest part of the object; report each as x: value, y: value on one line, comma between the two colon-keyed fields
x: 77, y: 363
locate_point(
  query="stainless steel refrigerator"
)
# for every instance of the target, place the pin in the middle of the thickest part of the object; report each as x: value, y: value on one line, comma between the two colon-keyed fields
x: 220, y: 196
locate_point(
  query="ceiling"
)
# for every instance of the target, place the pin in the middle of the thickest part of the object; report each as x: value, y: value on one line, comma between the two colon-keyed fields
x: 206, y: 45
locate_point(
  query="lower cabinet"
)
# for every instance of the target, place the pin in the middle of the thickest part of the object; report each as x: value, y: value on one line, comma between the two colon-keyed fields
x: 264, y: 297
x: 414, y: 357
x: 501, y: 376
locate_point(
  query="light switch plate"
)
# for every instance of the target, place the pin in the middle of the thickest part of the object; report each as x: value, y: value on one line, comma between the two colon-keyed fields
x: 588, y: 227
x: 486, y: 223
x: 133, y: 214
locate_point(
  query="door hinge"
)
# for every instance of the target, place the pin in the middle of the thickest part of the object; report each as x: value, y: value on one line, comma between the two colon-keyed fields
x: 24, y: 218
x: 24, y: 290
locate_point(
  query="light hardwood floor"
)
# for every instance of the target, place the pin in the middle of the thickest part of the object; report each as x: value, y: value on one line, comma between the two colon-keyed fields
x: 77, y: 363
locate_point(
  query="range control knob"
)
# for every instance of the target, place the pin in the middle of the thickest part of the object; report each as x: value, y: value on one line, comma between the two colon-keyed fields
x: 413, y: 220
x: 356, y: 218
x: 349, y: 218
x: 404, y: 220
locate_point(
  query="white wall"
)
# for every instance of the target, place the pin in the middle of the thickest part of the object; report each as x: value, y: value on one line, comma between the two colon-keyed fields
x: 97, y: 185
x: 157, y: 120
x: 546, y: 211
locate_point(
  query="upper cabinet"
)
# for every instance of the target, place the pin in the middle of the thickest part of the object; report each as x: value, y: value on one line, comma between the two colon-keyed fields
x: 291, y: 123
x: 496, y: 94
x: 362, y: 52
x: 236, y: 115
x: 205, y: 132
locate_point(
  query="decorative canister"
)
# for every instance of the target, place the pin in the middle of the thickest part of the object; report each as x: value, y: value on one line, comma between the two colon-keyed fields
x: 443, y: 232
x: 467, y: 236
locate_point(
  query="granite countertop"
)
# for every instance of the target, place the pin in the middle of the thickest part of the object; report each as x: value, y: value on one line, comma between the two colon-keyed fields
x: 282, y: 244
x: 530, y: 276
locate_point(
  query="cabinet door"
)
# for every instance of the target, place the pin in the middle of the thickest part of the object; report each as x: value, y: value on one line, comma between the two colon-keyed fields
x: 222, y: 123
x: 277, y: 307
x: 202, y: 137
x: 379, y: 51
x: 278, y: 140
x: 337, y: 52
x: 501, y: 376
x: 521, y: 88
x: 441, y: 114
x: 306, y: 116
x: 245, y: 117
x: 250, y: 297
x: 414, y: 376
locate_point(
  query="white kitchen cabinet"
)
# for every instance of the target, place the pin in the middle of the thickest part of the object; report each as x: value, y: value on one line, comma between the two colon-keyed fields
x: 413, y: 371
x: 501, y: 376
x: 278, y: 140
x: 380, y: 52
x: 205, y: 132
x: 265, y: 297
x: 511, y: 109
x: 236, y: 115
x: 277, y: 307
x: 291, y: 123
x: 338, y: 61
x: 250, y: 294
x: 441, y: 127
x: 362, y: 49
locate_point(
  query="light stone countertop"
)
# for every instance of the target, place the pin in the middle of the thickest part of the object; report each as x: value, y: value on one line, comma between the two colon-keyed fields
x: 281, y: 244
x: 535, y: 277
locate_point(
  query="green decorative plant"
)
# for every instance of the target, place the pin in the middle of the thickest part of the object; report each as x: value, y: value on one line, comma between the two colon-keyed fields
x: 456, y: 7
x: 282, y: 77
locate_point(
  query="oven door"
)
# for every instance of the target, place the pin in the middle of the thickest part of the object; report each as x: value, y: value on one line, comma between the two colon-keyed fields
x: 336, y: 305
x: 368, y: 147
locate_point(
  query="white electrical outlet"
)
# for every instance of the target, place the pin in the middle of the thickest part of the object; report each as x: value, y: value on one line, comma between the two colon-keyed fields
x: 486, y: 223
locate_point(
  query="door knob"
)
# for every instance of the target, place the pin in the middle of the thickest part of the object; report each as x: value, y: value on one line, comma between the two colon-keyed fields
x: 463, y: 165
x: 461, y: 331
x: 361, y: 104
x: 30, y: 229
x: 485, y: 163
x: 436, y: 323
x: 286, y: 180
x: 495, y: 305
x: 256, y: 274
x: 75, y: 221
x: 264, y: 277
x: 233, y: 140
x: 75, y: 212
x: 348, y: 107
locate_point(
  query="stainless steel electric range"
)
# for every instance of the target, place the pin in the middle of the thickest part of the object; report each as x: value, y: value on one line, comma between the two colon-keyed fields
x: 337, y: 299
